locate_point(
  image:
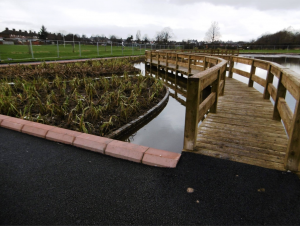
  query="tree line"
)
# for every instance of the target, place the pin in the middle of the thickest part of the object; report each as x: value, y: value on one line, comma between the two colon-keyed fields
x: 163, y: 36
x: 283, y: 37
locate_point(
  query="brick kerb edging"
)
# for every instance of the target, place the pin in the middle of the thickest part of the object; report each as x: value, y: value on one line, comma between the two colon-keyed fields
x: 103, y: 145
x: 142, y: 118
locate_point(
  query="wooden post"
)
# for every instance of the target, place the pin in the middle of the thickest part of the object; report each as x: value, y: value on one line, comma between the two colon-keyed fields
x: 292, y: 157
x: 215, y: 89
x: 281, y: 92
x: 252, y: 72
x: 150, y: 58
x: 191, y: 113
x: 166, y: 67
x: 231, y: 64
x: 176, y: 66
x: 269, y: 79
x: 223, y: 78
x: 157, y: 61
x: 167, y: 58
x: 204, y: 64
x: 189, y: 67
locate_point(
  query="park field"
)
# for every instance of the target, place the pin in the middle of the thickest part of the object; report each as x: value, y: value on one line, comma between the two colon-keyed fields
x: 22, y: 53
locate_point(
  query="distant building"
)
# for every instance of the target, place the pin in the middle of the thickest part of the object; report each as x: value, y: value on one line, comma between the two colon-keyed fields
x: 18, y: 36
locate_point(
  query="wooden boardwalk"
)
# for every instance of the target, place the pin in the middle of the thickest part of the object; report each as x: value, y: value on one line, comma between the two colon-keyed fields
x: 242, y: 130
x: 241, y: 124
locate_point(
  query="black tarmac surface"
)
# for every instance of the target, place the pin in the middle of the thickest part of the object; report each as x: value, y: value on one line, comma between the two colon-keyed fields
x: 43, y: 182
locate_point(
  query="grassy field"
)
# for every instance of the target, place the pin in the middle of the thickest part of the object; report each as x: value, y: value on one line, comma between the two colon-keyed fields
x: 21, y: 53
x: 270, y: 51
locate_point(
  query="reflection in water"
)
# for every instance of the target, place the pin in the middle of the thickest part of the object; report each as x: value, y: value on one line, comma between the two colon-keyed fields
x: 166, y: 130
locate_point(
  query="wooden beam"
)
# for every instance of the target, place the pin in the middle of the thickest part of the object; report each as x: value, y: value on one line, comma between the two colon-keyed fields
x: 206, y: 105
x: 281, y: 92
x: 292, y: 159
x: 269, y: 79
x: 291, y: 83
x: 285, y: 113
x: 259, y: 80
x: 240, y: 72
x: 272, y: 91
x: 191, y: 113
x: 189, y: 65
x: 260, y: 64
x: 231, y: 64
x: 252, y: 72
x: 215, y: 89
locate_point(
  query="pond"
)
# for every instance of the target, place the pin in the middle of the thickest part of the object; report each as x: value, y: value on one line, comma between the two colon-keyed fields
x: 166, y: 130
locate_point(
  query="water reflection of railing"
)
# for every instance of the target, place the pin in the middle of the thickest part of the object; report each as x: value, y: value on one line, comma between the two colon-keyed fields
x: 177, y: 85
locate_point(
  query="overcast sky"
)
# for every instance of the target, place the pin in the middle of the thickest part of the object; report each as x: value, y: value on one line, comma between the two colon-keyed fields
x: 239, y: 20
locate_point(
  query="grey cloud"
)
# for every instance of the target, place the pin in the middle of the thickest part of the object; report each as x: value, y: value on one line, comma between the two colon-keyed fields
x: 15, y: 22
x: 258, y: 4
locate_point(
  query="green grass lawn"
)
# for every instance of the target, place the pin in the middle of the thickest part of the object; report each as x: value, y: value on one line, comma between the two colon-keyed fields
x: 270, y: 51
x: 21, y: 53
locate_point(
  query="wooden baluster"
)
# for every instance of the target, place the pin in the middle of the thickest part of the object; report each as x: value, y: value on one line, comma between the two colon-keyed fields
x: 292, y: 157
x: 269, y: 79
x: 176, y: 66
x: 189, y: 67
x: 205, y: 64
x: 281, y: 92
x: 166, y: 68
x: 150, y: 58
x: 231, y: 64
x: 157, y: 61
x: 223, y: 78
x: 215, y: 89
x: 252, y: 72
x: 191, y: 113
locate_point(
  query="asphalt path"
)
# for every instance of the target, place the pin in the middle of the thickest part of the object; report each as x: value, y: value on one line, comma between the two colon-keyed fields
x: 43, y: 182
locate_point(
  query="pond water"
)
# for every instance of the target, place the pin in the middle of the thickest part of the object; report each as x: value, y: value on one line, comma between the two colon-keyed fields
x: 166, y: 130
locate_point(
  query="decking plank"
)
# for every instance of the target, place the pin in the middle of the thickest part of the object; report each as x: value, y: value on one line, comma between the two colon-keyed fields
x: 242, y: 130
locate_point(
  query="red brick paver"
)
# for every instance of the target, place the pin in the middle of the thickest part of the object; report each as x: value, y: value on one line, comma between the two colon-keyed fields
x: 161, y: 158
x: 14, y: 123
x: 36, y: 129
x: 124, y: 150
x: 62, y: 135
x: 92, y: 142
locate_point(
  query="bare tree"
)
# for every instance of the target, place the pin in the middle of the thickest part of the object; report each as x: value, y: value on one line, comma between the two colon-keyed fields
x: 164, y: 35
x: 138, y: 36
x: 167, y: 34
x: 213, y: 34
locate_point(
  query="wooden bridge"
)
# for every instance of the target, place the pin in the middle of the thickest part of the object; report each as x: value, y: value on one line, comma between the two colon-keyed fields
x: 238, y: 123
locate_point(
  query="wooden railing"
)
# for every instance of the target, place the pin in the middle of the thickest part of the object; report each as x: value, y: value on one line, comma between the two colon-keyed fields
x: 288, y: 80
x: 196, y: 107
x: 188, y: 61
x: 213, y: 73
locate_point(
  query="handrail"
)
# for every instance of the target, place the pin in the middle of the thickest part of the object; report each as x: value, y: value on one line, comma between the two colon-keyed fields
x: 288, y: 80
x: 196, y: 108
x: 213, y: 72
